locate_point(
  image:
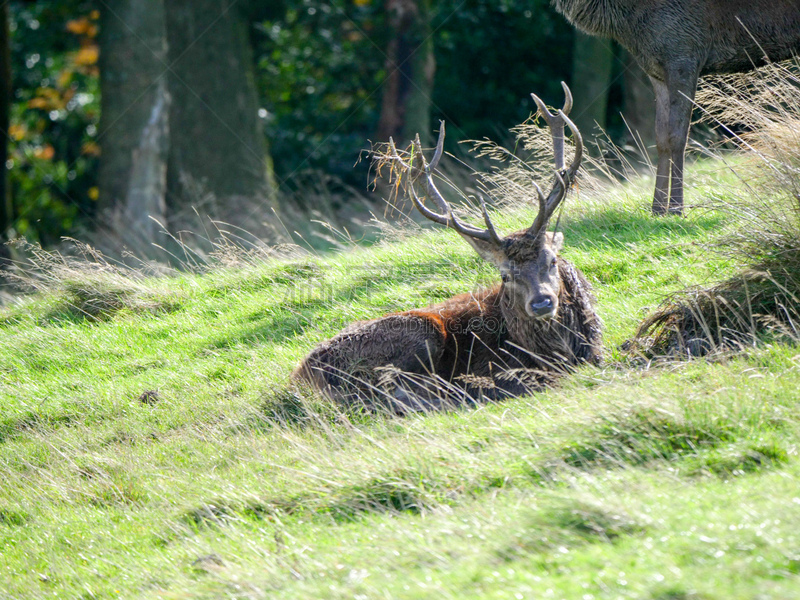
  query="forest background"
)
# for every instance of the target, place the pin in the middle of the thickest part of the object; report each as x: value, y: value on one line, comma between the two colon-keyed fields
x: 129, y: 122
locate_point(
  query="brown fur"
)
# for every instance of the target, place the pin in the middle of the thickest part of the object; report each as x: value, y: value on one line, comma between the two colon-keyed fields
x: 482, y: 343
x: 505, y: 341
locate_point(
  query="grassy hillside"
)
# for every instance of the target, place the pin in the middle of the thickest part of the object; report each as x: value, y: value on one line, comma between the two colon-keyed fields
x: 148, y: 447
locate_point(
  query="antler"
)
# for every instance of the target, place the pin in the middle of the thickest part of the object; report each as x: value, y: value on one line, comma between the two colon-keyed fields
x: 556, y: 123
x: 547, y: 204
x: 564, y: 178
x: 446, y: 217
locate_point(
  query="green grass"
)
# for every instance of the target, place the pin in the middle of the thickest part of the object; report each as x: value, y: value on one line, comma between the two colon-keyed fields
x: 150, y: 448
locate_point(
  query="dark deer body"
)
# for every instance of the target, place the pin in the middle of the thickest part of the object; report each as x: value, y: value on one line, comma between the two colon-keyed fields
x: 504, y: 341
x: 483, y: 343
x: 678, y: 41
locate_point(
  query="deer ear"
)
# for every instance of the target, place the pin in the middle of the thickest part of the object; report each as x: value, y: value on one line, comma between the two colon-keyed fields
x: 555, y: 241
x: 488, y: 252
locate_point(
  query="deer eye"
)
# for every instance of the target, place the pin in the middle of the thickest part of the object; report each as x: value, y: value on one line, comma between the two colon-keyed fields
x: 505, y: 277
x: 553, y: 264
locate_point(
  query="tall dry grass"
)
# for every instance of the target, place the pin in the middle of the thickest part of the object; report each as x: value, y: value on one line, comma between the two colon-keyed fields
x: 759, y: 113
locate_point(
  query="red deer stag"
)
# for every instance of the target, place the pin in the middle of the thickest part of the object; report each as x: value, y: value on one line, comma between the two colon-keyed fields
x: 678, y: 41
x: 499, y: 342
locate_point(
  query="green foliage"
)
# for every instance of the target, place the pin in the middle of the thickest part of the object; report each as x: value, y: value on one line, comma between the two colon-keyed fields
x: 53, y: 153
x: 490, y: 57
x: 322, y: 67
x: 320, y: 72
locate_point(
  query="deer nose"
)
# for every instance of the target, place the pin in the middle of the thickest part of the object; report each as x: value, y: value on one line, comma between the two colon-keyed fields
x: 542, y: 307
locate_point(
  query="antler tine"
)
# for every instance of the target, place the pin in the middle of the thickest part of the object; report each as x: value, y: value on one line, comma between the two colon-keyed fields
x: 564, y: 177
x: 556, y: 123
x: 446, y: 217
x: 489, y: 227
x: 428, y: 168
x: 567, y: 98
x: 426, y: 212
x: 437, y: 154
x: 546, y: 112
x: 541, y: 216
x: 576, y: 160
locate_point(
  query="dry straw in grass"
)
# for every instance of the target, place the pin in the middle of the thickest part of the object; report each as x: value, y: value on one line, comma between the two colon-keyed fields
x: 87, y: 285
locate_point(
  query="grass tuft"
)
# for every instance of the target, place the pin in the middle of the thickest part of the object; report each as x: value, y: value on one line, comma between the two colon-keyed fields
x: 13, y: 518
x: 403, y: 491
x: 562, y: 524
x: 742, y: 459
x: 731, y: 316
x: 11, y: 427
x: 676, y: 592
x: 87, y: 286
x: 593, y: 522
x: 639, y: 434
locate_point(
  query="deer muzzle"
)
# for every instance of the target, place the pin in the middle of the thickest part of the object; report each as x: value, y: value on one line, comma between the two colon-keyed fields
x: 542, y: 308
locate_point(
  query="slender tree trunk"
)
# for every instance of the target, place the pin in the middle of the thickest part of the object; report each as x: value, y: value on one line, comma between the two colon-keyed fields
x: 6, y: 213
x: 134, y: 129
x: 218, y: 149
x: 592, y: 61
x: 410, y: 70
x: 639, y: 104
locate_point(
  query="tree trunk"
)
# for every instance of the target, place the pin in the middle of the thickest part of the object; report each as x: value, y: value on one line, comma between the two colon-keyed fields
x: 410, y: 69
x: 133, y: 121
x: 592, y: 60
x: 6, y: 213
x: 639, y: 104
x: 218, y: 149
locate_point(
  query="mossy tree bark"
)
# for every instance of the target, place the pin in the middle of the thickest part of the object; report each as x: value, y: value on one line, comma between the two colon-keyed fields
x: 6, y: 213
x: 134, y: 128
x: 179, y: 126
x: 218, y: 148
x: 410, y: 70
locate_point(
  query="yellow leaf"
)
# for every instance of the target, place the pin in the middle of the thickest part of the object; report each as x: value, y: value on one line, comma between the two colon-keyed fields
x: 94, y: 193
x: 46, y: 152
x: 64, y: 78
x: 78, y: 26
x: 87, y: 56
x: 17, y: 132
x: 38, y: 103
x: 94, y: 15
x: 51, y: 94
x: 90, y: 148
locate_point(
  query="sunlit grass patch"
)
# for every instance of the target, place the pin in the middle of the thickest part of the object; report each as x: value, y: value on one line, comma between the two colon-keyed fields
x: 165, y: 452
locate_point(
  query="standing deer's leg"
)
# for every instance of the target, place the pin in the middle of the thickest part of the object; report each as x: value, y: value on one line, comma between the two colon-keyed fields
x: 674, y: 100
x: 661, y: 194
x: 683, y: 85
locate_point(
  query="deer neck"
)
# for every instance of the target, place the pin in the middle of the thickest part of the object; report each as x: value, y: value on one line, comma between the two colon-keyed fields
x: 598, y: 17
x: 520, y: 327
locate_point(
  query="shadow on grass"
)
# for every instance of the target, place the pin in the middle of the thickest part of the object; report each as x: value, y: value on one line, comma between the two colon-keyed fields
x: 306, y: 304
x: 402, y: 491
x: 10, y: 427
x: 641, y: 434
x: 568, y: 524
x: 13, y: 518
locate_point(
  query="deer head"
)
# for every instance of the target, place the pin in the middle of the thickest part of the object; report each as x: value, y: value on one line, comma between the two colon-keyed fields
x: 528, y: 259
